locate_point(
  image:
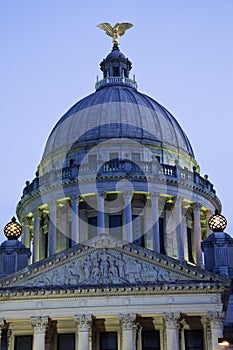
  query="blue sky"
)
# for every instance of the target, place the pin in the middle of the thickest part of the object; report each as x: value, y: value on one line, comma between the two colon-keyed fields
x: 182, y: 56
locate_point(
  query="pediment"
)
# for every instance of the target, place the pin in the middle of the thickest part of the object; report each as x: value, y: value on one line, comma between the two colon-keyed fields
x: 107, y: 262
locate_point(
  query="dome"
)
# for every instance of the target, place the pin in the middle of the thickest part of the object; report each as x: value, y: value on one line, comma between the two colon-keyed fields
x: 122, y: 112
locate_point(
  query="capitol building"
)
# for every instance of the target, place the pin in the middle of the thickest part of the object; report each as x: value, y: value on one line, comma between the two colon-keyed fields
x: 119, y: 242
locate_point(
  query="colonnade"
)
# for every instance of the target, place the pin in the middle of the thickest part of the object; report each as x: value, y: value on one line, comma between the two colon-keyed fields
x: 179, y: 225
x: 170, y: 336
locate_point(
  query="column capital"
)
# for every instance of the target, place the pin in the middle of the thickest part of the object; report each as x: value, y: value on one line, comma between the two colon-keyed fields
x: 75, y: 197
x: 39, y: 323
x: 83, y: 322
x: 178, y: 200
x: 52, y: 204
x: 154, y: 195
x: 127, y: 194
x: 216, y: 319
x: 196, y: 207
x: 171, y: 319
x: 127, y: 321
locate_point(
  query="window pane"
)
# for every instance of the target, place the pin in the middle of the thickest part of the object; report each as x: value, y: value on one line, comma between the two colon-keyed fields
x: 108, y: 341
x: 193, y: 340
x: 150, y: 340
x: 23, y: 342
x: 66, y: 341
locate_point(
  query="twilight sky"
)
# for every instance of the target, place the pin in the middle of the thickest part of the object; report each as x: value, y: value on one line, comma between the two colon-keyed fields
x: 182, y: 55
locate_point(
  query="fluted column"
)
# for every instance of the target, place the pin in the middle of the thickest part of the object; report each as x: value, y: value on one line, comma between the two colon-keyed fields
x: 39, y: 329
x: 83, y: 323
x: 179, y: 228
x: 101, y: 213
x: 26, y: 232
x: 197, y: 233
x: 208, y: 214
x: 204, y: 322
x: 216, y: 327
x: 2, y: 325
x: 127, y: 325
x: 36, y: 236
x: 128, y: 225
x: 52, y: 227
x: 155, y: 222
x: 171, y: 320
x: 75, y: 234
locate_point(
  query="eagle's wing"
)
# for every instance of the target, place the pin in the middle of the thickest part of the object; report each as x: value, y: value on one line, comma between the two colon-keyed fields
x: 123, y: 27
x: 107, y: 28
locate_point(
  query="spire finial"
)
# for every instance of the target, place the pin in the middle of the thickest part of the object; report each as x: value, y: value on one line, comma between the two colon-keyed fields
x: 117, y: 30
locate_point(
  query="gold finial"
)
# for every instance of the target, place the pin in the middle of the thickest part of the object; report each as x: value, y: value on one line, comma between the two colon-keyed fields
x: 13, y: 229
x: 117, y: 30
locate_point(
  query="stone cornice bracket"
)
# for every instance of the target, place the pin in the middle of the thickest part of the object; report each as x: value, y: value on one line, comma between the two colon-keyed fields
x: 171, y: 319
x: 216, y: 319
x: 127, y: 321
x: 83, y: 322
x: 39, y: 323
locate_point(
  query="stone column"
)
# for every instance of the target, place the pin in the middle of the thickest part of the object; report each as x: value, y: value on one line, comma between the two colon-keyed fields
x: 179, y: 228
x: 2, y: 325
x: 171, y: 320
x: 75, y: 221
x: 101, y: 213
x: 127, y: 325
x: 52, y: 227
x: 36, y: 236
x: 197, y: 233
x: 216, y: 327
x: 39, y: 329
x: 208, y: 214
x: 128, y: 225
x: 83, y: 323
x: 204, y: 323
x: 26, y: 239
x: 155, y: 221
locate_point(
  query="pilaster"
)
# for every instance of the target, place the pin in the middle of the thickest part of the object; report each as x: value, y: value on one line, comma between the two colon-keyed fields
x: 216, y: 320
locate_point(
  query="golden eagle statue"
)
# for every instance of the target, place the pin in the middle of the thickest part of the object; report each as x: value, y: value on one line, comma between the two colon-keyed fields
x: 117, y: 30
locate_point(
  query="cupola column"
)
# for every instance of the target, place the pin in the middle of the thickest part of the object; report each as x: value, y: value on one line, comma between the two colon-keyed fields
x: 216, y: 326
x: 197, y: 233
x: 155, y: 222
x: 26, y: 239
x: 171, y: 320
x: 179, y: 228
x: 39, y: 329
x: 83, y: 323
x: 128, y: 226
x: 2, y: 325
x: 75, y: 220
x: 101, y: 214
x: 128, y: 335
x: 52, y: 227
x: 36, y: 235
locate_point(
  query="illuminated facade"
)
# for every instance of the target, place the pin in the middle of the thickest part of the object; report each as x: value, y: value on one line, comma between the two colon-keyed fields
x: 115, y: 218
